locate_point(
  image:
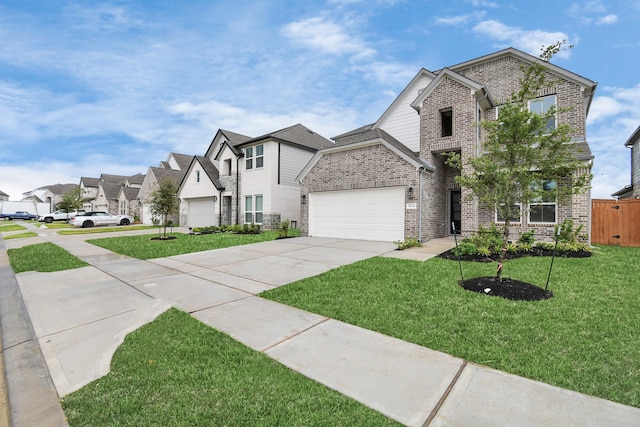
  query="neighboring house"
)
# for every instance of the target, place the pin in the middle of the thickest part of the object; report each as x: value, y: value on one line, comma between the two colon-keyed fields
x: 248, y: 180
x: 632, y: 191
x: 128, y: 202
x: 50, y: 194
x: 389, y: 181
x: 173, y: 169
x: 118, y: 193
x: 4, y: 197
x: 89, y: 191
x: 107, y: 198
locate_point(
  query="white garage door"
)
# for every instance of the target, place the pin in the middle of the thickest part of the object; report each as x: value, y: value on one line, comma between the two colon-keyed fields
x: 371, y: 214
x: 201, y: 213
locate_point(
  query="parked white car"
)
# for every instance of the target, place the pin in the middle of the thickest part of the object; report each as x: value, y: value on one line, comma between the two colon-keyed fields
x: 59, y: 215
x: 89, y: 219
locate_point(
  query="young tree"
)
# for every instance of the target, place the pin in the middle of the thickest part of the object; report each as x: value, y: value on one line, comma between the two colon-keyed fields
x: 525, y: 158
x: 164, y: 201
x: 72, y: 200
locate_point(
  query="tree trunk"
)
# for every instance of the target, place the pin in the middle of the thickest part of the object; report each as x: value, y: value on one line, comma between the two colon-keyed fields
x: 503, y: 249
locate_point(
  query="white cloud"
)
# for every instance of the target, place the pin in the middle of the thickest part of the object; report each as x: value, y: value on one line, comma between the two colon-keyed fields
x: 483, y: 3
x: 460, y: 19
x: 592, y: 12
x: 326, y: 36
x: 608, y: 19
x: 530, y: 41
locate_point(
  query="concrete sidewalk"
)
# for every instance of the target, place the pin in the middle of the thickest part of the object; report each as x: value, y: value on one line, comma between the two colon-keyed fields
x: 79, y: 318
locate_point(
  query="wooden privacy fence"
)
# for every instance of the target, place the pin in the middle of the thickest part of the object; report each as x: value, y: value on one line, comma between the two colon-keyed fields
x: 615, y: 222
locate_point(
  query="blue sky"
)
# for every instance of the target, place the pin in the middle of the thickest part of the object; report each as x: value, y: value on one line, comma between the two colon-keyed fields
x: 92, y: 87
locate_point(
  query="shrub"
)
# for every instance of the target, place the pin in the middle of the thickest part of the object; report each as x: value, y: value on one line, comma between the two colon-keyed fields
x: 465, y: 248
x: 283, y: 231
x: 526, y: 238
x: 569, y: 233
x: 408, y: 243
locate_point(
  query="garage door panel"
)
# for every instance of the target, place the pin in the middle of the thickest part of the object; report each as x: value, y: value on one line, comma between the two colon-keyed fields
x: 371, y: 214
x: 201, y: 213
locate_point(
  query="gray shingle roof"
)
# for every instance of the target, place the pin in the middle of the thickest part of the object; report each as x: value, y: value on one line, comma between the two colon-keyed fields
x: 90, y: 182
x: 183, y: 160
x: 298, y: 135
x: 211, y: 171
x: 173, y: 175
x: 111, y: 189
x: 130, y: 193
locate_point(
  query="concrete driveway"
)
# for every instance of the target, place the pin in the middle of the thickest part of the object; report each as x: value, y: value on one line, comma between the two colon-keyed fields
x: 76, y: 319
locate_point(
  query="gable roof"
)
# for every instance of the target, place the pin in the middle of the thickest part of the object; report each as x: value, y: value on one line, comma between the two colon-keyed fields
x: 135, y: 179
x: 589, y: 86
x: 411, y: 86
x: 112, y: 178
x: 89, y: 182
x: 172, y: 175
x: 367, y: 138
x: 635, y: 137
x: 130, y: 193
x: 209, y: 169
x: 480, y: 91
x: 297, y: 135
x: 2, y: 193
x: 227, y: 137
x: 183, y: 160
x: 111, y: 189
x: 60, y: 188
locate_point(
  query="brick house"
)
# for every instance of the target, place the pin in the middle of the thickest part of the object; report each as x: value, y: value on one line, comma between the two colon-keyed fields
x: 388, y: 180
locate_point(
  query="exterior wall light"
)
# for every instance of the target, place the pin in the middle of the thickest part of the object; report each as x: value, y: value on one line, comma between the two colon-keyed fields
x: 303, y: 199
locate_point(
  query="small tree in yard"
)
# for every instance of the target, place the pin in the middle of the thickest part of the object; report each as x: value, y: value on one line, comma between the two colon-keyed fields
x: 524, y: 159
x: 164, y: 202
x: 72, y: 200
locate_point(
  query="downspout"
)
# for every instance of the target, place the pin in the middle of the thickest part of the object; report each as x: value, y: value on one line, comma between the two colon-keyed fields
x: 420, y: 204
x: 219, y: 207
x: 237, y: 190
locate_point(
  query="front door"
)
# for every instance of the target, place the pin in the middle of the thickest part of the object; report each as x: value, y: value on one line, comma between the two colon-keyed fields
x: 455, y: 211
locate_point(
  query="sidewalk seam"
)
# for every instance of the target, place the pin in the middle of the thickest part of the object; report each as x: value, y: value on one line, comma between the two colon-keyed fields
x: 445, y: 395
x: 264, y: 350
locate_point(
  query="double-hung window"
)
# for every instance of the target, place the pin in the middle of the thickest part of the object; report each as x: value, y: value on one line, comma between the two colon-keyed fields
x: 254, y: 157
x: 542, y: 106
x: 253, y: 209
x: 544, y: 208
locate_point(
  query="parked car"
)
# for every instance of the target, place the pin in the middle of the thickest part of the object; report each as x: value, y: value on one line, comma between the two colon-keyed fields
x: 18, y: 215
x: 89, y: 219
x: 59, y: 215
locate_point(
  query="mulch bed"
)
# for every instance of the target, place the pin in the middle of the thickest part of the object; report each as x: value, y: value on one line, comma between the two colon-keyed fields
x: 512, y: 255
x: 509, y: 288
x: 506, y: 288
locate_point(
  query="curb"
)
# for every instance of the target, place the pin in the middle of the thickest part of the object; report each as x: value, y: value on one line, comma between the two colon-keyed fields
x: 29, y: 397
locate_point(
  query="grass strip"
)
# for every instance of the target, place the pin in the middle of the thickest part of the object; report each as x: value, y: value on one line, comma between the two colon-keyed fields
x: 42, y: 257
x: 11, y: 227
x: 142, y: 247
x: 98, y: 230
x: 20, y: 235
x: 177, y: 371
x: 585, y: 338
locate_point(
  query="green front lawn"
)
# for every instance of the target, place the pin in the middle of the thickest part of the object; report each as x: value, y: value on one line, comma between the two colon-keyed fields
x: 176, y: 371
x: 142, y: 247
x: 42, y: 257
x: 10, y: 226
x: 585, y: 338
